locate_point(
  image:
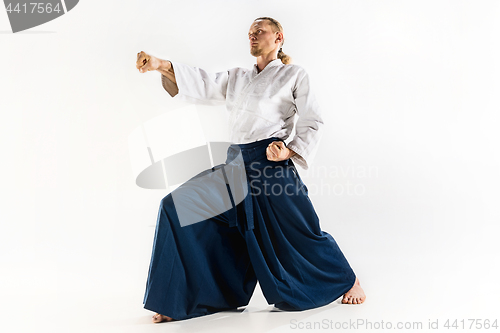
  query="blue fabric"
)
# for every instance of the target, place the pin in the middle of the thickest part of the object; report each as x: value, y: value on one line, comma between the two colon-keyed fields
x: 271, y: 236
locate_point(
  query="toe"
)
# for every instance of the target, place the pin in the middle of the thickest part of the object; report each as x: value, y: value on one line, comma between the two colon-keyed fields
x: 158, y: 318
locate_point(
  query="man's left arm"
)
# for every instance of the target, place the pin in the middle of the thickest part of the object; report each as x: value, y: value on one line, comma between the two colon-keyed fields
x: 308, y: 127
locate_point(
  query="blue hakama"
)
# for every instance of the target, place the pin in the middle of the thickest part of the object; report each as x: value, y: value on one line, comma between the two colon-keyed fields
x: 272, y: 236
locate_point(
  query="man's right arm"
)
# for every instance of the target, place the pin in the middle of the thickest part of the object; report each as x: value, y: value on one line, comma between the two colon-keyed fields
x: 195, y: 85
x: 187, y: 83
x: 168, y: 77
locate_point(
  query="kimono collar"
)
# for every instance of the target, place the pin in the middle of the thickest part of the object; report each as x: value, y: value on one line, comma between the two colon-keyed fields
x: 275, y: 62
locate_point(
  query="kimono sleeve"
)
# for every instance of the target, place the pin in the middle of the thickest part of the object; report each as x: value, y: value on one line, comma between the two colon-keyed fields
x: 308, y: 129
x: 196, y: 85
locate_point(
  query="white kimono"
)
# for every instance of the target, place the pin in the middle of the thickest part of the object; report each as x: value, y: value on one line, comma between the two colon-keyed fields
x: 260, y: 105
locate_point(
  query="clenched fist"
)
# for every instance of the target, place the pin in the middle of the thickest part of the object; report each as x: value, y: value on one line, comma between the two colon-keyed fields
x: 146, y: 62
x: 276, y: 151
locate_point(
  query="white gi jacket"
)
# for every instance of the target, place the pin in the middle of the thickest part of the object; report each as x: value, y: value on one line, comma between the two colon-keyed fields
x: 260, y: 105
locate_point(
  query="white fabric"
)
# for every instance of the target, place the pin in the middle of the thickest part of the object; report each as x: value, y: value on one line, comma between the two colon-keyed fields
x: 260, y: 105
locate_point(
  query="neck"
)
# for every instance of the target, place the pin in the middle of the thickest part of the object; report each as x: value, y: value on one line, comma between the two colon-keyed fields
x: 263, y: 60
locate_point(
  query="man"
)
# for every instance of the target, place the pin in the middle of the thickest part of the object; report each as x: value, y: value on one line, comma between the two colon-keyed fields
x: 279, y: 241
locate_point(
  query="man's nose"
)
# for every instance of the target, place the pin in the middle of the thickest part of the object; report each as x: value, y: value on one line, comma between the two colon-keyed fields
x: 251, y: 37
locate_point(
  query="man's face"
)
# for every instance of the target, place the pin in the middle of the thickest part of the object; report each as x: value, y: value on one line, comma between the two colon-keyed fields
x: 262, y: 38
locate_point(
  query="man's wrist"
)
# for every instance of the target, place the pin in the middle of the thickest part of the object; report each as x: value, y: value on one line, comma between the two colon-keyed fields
x: 165, y: 65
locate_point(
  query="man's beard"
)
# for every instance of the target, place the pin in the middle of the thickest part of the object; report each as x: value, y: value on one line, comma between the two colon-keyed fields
x: 255, y: 51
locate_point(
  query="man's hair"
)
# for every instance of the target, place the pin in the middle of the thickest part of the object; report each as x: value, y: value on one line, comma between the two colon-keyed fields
x: 276, y: 26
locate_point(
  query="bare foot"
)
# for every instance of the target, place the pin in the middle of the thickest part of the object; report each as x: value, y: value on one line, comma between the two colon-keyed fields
x: 355, y: 295
x: 158, y: 318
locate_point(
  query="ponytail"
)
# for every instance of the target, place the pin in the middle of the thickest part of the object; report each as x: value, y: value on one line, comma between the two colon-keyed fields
x: 285, y: 58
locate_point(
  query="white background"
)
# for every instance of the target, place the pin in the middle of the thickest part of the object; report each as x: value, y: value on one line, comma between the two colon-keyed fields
x: 409, y: 91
